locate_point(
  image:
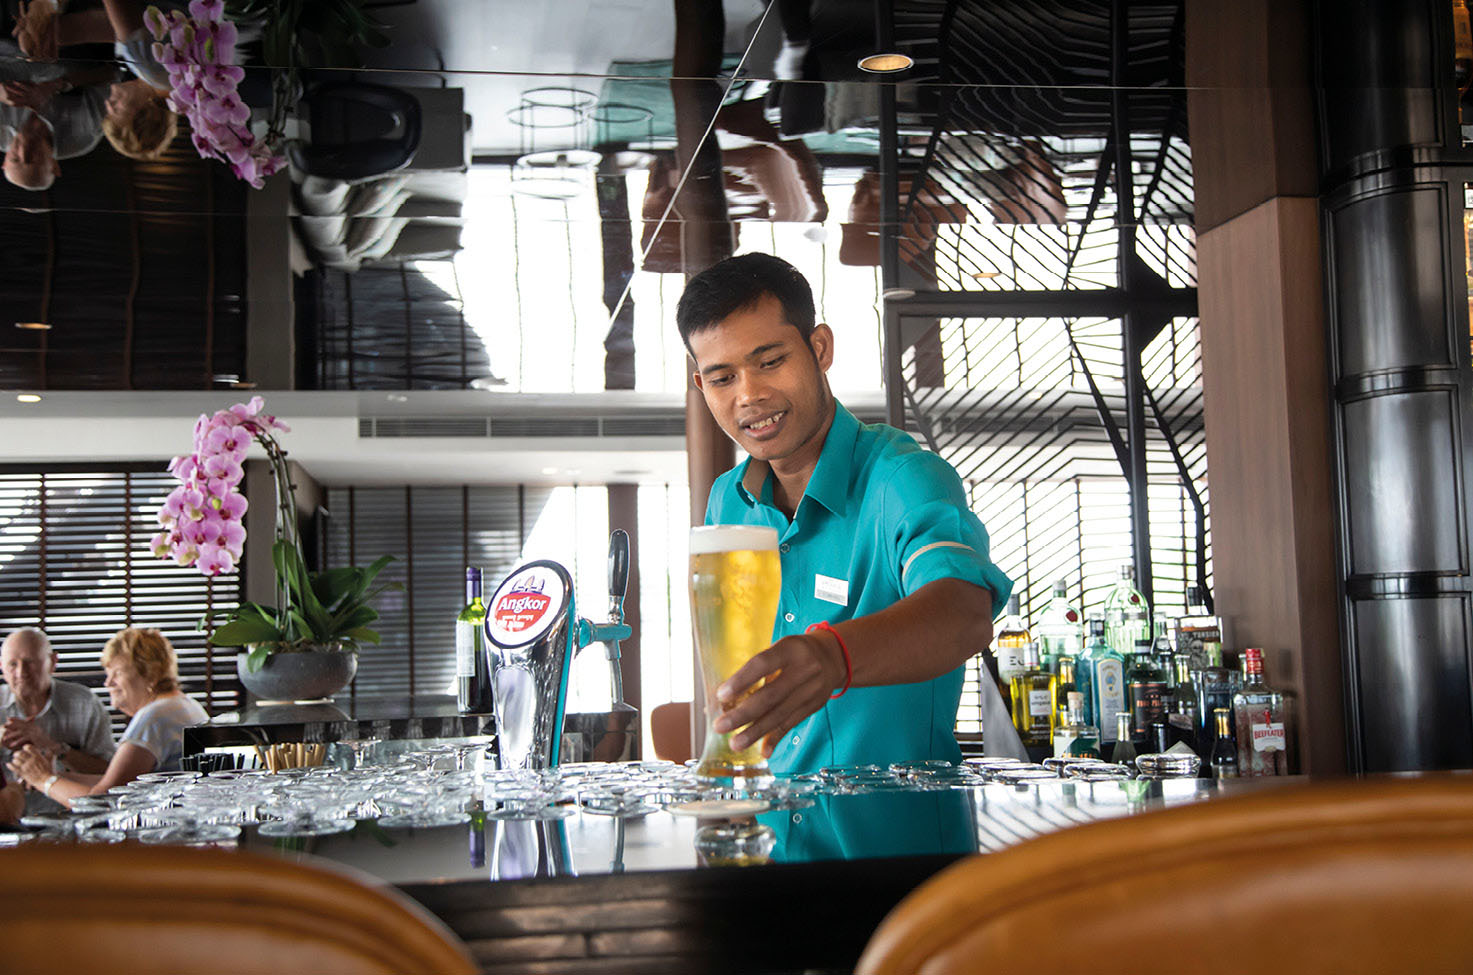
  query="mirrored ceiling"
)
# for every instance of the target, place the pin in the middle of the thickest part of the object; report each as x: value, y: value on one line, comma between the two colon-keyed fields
x: 506, y: 197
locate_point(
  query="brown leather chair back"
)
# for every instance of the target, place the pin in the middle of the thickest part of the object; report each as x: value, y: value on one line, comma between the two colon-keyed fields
x: 1372, y: 876
x: 670, y: 731
x: 129, y: 909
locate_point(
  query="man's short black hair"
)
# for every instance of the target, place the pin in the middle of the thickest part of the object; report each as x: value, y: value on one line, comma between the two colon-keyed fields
x: 737, y: 284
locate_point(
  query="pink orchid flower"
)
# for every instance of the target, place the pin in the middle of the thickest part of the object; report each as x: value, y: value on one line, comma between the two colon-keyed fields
x: 159, y: 545
x: 208, y: 10
x: 185, y: 553
x: 226, y: 109
x: 232, y: 537
x: 214, y: 560
x: 156, y: 22
x: 250, y: 409
x: 222, y: 79
x: 233, y: 506
x: 231, y: 441
x: 184, y: 468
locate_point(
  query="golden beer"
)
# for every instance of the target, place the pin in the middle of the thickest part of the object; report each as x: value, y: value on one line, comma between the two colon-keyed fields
x: 735, y: 580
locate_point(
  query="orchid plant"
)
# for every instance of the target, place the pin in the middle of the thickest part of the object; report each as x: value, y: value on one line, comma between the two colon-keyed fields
x: 197, y: 49
x: 203, y: 527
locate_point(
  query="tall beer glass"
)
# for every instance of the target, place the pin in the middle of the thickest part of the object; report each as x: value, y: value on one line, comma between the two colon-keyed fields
x: 735, y: 580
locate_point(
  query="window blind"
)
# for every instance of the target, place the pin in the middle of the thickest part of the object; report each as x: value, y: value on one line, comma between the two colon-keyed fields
x: 74, y: 560
x: 433, y: 533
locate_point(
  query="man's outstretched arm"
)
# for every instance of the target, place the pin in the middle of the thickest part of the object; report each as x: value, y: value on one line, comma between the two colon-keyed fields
x: 931, y: 632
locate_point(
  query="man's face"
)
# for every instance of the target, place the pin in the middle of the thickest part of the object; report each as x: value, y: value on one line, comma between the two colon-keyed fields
x: 30, y: 161
x: 27, y: 667
x: 763, y: 384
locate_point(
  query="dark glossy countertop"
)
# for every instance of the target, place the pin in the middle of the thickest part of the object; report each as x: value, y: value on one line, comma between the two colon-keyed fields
x: 890, y: 823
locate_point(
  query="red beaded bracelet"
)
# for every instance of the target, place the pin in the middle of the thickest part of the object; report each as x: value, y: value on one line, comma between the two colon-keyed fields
x: 848, y: 662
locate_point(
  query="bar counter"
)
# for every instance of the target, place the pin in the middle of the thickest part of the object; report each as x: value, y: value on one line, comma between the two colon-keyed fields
x: 600, y: 893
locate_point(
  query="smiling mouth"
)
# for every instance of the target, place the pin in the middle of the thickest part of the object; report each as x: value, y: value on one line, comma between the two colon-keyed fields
x: 766, y: 424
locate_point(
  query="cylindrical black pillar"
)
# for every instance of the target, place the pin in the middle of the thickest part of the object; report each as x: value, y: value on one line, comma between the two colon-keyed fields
x: 1393, y: 172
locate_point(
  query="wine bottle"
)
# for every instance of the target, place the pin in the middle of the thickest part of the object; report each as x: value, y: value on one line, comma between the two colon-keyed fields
x: 472, y: 663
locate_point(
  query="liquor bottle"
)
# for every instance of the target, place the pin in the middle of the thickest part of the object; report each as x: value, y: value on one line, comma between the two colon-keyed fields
x: 1127, y: 614
x: 1101, y: 677
x: 1033, y: 700
x: 1062, y: 687
x: 1012, y: 639
x: 1061, y: 628
x: 1181, y: 716
x: 472, y: 663
x: 1124, y: 751
x: 1076, y: 737
x: 1197, y: 628
x: 1216, y: 686
x: 1262, y: 722
x: 1224, y: 754
x: 1147, y: 690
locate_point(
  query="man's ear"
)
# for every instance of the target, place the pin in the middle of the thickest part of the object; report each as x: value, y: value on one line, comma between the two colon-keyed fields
x: 695, y: 377
x: 821, y: 340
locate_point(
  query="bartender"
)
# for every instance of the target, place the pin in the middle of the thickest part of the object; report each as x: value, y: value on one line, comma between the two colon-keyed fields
x: 887, y: 588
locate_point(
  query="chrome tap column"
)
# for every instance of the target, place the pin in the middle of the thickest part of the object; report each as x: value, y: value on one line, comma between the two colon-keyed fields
x: 529, y: 632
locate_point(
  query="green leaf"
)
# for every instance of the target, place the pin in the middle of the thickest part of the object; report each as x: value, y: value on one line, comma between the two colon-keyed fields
x: 256, y: 659
x: 362, y: 634
x: 334, y: 585
x: 240, y: 632
x: 305, y: 630
x: 353, y: 618
x: 294, y: 571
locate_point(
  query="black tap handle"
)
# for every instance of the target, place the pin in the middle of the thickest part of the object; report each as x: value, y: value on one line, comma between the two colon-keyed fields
x: 618, y: 563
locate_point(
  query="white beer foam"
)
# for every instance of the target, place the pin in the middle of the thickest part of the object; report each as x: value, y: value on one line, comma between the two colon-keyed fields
x: 707, y: 539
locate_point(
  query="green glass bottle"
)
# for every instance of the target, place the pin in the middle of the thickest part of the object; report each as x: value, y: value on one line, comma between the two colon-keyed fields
x: 472, y: 663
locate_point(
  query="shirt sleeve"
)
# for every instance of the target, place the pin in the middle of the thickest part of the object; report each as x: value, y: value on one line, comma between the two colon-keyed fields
x: 97, y: 738
x: 150, y: 729
x: 935, y: 534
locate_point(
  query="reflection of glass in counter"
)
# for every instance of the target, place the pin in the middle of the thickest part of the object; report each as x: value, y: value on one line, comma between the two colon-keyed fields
x: 738, y: 844
x: 735, y: 581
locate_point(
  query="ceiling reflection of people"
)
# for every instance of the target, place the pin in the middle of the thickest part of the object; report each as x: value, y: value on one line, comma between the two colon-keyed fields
x: 784, y: 154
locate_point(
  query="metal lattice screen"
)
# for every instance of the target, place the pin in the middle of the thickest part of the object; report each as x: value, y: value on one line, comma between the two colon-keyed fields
x: 1045, y: 224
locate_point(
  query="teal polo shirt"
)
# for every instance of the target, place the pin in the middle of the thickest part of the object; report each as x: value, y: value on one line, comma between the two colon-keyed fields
x: 879, y: 519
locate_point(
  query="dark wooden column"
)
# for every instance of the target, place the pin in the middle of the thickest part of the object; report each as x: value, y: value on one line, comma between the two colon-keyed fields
x: 706, y: 238
x: 1265, y: 376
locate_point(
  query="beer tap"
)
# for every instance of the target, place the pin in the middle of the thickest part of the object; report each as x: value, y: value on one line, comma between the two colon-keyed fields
x: 612, y: 633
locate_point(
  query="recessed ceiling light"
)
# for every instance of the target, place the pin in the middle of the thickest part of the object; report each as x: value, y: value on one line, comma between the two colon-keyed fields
x: 549, y: 470
x: 885, y: 63
x: 34, y: 326
x: 398, y: 398
x: 27, y: 398
x: 986, y: 275
x: 897, y: 294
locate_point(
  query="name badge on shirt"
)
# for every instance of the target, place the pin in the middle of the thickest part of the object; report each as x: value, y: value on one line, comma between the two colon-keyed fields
x: 831, y: 590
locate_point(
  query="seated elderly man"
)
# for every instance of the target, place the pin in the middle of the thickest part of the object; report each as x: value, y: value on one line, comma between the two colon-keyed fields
x: 48, y: 112
x: 57, y: 718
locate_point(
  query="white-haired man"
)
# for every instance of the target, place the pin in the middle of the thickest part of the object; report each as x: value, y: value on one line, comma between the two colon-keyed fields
x: 62, y: 719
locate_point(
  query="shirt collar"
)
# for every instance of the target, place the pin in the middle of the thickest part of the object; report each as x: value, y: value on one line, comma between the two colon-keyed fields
x: 829, y: 483
x: 9, y: 701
